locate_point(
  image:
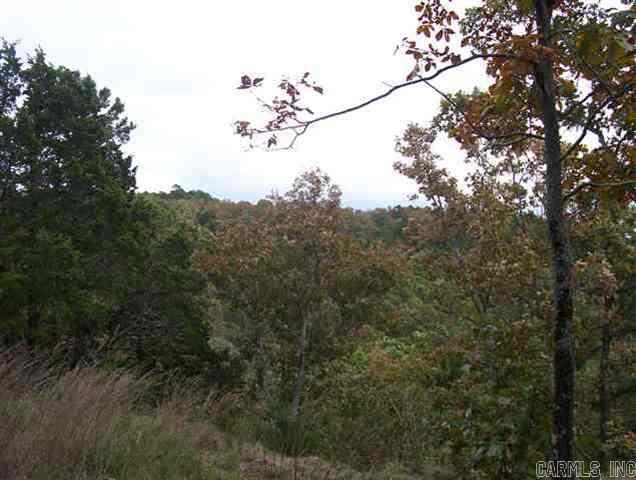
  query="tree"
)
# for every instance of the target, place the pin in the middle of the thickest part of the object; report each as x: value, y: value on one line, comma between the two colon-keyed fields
x: 487, y: 282
x: 286, y: 269
x: 65, y: 191
x: 481, y: 254
x: 604, y: 246
x: 556, y: 67
x: 87, y: 265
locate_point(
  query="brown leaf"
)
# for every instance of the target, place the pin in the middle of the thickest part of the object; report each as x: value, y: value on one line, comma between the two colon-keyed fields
x: 425, y: 29
x: 246, y: 82
x: 413, y: 73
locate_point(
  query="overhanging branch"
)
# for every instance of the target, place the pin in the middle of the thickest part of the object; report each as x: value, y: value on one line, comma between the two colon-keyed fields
x: 301, y: 126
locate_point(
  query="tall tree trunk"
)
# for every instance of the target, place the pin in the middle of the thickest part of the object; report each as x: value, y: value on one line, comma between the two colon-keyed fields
x: 563, y: 402
x: 261, y: 365
x: 603, y: 392
x: 300, y: 373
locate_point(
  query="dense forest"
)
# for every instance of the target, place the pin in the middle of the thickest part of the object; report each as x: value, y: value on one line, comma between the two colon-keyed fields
x: 180, y: 335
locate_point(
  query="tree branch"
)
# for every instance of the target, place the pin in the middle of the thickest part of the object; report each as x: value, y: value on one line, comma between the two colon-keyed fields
x: 304, y: 125
x: 566, y: 115
x: 519, y: 136
x: 585, y: 185
x: 590, y: 120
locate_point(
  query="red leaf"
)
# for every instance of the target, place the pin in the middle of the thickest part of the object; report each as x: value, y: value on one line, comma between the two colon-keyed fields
x: 439, y: 35
x: 318, y: 89
x: 246, y: 82
x: 241, y: 127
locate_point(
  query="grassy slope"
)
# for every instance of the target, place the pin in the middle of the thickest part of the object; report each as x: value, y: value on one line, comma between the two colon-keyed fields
x: 83, y: 424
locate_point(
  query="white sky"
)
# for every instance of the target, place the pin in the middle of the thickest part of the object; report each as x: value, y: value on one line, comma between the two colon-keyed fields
x: 176, y: 66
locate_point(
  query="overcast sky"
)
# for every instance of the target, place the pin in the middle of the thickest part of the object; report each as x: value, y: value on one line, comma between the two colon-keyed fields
x: 176, y: 66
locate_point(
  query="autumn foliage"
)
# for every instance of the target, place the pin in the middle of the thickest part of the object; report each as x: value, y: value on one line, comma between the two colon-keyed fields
x: 486, y: 326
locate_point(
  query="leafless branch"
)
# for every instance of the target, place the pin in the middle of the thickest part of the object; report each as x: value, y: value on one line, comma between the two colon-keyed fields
x: 565, y: 115
x: 298, y: 131
x: 591, y: 118
x: 519, y: 136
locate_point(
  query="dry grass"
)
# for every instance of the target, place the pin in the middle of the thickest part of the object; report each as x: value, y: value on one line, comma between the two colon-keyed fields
x: 86, y: 424
x: 82, y: 424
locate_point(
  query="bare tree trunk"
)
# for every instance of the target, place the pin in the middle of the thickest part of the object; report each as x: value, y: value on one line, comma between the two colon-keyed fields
x: 300, y: 374
x: 603, y: 392
x: 563, y: 403
x: 261, y: 364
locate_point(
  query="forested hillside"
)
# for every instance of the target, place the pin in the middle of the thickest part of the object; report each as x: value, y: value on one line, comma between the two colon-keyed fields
x: 400, y: 342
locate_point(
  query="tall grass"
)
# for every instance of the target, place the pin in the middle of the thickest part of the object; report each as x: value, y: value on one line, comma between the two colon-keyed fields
x: 82, y: 424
